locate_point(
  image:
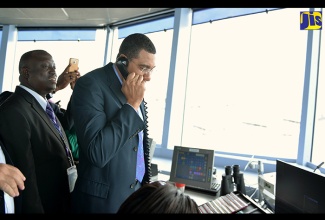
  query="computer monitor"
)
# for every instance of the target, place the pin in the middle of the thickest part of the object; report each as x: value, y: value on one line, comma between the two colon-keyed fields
x: 298, y: 190
x: 193, y: 167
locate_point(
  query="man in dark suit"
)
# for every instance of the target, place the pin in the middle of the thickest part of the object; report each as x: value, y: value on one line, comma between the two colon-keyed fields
x: 11, y: 184
x: 110, y: 115
x: 64, y: 115
x: 37, y: 147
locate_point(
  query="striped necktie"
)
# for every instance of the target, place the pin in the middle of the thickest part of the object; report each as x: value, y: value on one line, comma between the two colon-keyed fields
x: 51, y: 114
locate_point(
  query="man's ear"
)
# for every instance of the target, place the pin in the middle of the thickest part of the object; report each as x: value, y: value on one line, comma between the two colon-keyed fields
x: 25, y: 72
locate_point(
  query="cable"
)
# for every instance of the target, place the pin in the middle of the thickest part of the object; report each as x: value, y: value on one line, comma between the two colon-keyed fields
x: 146, y: 146
x: 321, y: 164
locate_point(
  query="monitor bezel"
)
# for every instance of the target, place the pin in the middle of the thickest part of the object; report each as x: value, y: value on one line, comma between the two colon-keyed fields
x: 192, y: 183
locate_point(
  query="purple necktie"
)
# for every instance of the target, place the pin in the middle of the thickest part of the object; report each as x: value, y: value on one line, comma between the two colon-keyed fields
x: 140, y: 158
x: 51, y: 114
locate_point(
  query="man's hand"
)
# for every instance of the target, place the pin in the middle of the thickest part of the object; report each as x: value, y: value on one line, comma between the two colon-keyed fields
x: 133, y: 88
x: 67, y: 78
x: 11, y: 179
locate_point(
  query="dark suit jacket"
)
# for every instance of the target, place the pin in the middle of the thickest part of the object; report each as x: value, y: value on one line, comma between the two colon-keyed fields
x: 107, y: 131
x: 18, y: 199
x: 37, y: 149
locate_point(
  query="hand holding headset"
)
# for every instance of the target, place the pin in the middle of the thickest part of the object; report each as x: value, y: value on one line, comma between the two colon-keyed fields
x: 122, y: 64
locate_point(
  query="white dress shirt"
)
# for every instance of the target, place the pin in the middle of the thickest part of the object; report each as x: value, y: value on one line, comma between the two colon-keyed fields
x: 9, y: 201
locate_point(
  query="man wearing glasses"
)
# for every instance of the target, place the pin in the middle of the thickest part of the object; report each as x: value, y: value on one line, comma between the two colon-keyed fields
x: 111, y: 124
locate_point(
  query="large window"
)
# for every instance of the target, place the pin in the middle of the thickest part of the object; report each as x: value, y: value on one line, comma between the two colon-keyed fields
x: 245, y: 84
x: 244, y: 81
x: 157, y: 88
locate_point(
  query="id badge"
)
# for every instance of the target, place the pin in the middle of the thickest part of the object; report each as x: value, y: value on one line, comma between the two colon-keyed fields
x: 72, y: 176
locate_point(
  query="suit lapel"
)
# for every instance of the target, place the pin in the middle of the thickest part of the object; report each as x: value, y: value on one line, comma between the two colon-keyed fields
x: 39, y: 110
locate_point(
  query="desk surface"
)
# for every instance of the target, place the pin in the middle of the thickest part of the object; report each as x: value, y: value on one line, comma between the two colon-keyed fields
x: 251, y: 180
x: 199, y: 197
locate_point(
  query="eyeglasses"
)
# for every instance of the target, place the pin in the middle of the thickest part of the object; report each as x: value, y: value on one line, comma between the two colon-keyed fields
x: 144, y: 69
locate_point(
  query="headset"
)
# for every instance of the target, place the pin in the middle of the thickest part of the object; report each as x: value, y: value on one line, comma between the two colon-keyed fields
x: 122, y: 64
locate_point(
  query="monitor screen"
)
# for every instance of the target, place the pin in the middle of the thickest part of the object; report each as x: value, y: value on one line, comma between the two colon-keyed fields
x: 192, y: 166
x: 298, y: 190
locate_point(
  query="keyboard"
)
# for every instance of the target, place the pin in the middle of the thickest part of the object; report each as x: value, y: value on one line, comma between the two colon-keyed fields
x: 215, y: 187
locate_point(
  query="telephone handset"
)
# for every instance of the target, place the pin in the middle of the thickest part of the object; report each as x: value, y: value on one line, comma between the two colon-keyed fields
x: 122, y: 64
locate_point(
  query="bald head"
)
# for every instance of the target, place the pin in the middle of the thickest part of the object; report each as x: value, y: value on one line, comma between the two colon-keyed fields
x: 37, y: 71
x: 28, y: 56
